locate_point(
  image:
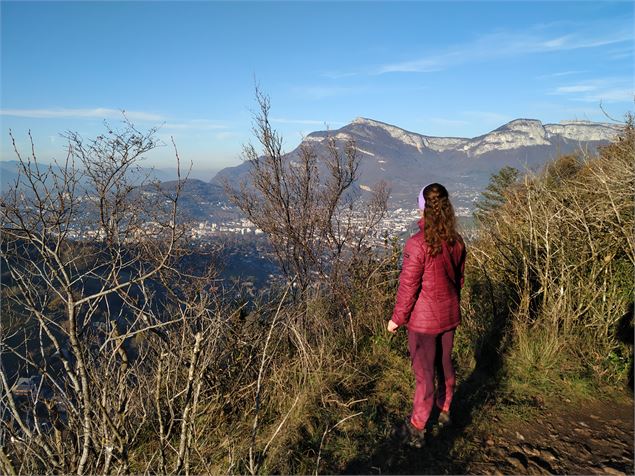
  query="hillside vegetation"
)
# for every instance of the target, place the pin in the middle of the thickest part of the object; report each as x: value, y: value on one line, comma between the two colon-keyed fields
x: 309, y: 381
x: 553, y: 266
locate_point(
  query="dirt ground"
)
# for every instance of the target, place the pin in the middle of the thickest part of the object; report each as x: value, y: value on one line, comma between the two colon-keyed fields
x: 563, y: 438
x: 594, y: 438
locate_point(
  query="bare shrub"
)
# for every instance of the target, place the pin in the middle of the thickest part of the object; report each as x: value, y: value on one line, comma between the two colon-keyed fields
x: 141, y: 365
x: 561, y: 243
x: 116, y: 342
x: 307, y: 204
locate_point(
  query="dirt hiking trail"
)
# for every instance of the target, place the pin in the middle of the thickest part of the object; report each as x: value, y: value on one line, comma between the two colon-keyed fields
x: 593, y: 439
x: 589, y: 438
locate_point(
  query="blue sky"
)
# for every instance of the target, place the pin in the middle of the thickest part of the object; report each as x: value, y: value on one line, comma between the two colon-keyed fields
x: 438, y: 68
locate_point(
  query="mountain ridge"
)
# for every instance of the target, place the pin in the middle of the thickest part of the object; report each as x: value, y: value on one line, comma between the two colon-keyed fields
x: 407, y: 160
x: 567, y: 129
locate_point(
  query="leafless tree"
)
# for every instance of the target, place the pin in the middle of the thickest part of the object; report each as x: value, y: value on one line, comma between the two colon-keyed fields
x: 93, y: 257
x: 141, y: 365
x: 307, y: 204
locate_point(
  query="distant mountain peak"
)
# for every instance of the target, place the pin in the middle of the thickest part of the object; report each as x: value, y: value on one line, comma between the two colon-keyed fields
x: 369, y: 122
x: 518, y: 133
x: 412, y: 139
x: 522, y: 123
x: 406, y: 160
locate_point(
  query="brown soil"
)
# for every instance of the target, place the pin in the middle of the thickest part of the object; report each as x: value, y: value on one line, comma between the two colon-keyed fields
x: 594, y: 438
x: 567, y: 438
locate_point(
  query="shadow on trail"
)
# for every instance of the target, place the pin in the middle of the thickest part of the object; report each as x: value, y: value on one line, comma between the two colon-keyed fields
x: 439, y: 455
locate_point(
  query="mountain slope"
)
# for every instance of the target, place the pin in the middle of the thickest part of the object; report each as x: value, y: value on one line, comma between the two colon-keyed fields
x: 408, y: 160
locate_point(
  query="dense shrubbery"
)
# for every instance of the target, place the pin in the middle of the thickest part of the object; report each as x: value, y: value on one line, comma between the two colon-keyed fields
x: 553, y: 266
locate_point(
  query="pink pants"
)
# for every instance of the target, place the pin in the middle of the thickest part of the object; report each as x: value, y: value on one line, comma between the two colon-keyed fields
x: 423, y: 350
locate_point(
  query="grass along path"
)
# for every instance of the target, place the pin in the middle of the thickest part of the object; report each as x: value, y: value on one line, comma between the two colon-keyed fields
x: 491, y: 434
x: 591, y: 438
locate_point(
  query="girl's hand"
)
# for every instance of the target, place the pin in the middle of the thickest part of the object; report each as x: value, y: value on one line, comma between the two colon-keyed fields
x: 392, y: 327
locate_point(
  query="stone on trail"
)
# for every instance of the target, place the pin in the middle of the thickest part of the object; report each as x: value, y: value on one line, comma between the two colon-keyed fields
x: 518, y: 460
x: 582, y: 431
x: 548, y: 455
x: 613, y: 471
x: 516, y: 449
x: 530, y: 450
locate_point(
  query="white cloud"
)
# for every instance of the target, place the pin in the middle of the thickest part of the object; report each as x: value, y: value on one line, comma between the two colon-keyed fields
x: 95, y: 113
x: 557, y: 110
x: 503, y: 45
x: 578, y: 88
x: 560, y: 74
x: 557, y: 42
x: 282, y: 120
x: 610, y: 90
x: 306, y: 122
x: 225, y: 135
x: 610, y: 95
x: 109, y: 113
x: 193, y: 125
x: 424, y: 65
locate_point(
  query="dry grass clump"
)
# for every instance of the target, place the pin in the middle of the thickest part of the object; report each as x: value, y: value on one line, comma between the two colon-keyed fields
x: 555, y: 258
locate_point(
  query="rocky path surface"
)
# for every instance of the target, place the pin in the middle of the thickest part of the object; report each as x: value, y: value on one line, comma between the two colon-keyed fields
x: 592, y: 439
x: 567, y: 438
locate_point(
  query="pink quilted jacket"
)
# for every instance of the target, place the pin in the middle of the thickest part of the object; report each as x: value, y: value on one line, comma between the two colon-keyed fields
x: 430, y: 286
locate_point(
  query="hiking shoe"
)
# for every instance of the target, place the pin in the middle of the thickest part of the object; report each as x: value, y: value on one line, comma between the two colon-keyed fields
x: 409, y: 435
x: 417, y: 437
x: 444, y: 419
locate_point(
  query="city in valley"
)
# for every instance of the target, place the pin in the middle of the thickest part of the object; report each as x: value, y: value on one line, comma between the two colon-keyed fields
x: 396, y: 223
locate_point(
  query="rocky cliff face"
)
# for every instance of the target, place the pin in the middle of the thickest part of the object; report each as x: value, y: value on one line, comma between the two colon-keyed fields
x: 513, y: 135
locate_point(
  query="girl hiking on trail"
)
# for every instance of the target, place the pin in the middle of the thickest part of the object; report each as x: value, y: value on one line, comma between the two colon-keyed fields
x: 427, y: 305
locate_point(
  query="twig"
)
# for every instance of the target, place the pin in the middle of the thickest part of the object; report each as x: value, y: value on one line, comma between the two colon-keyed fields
x: 328, y: 430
